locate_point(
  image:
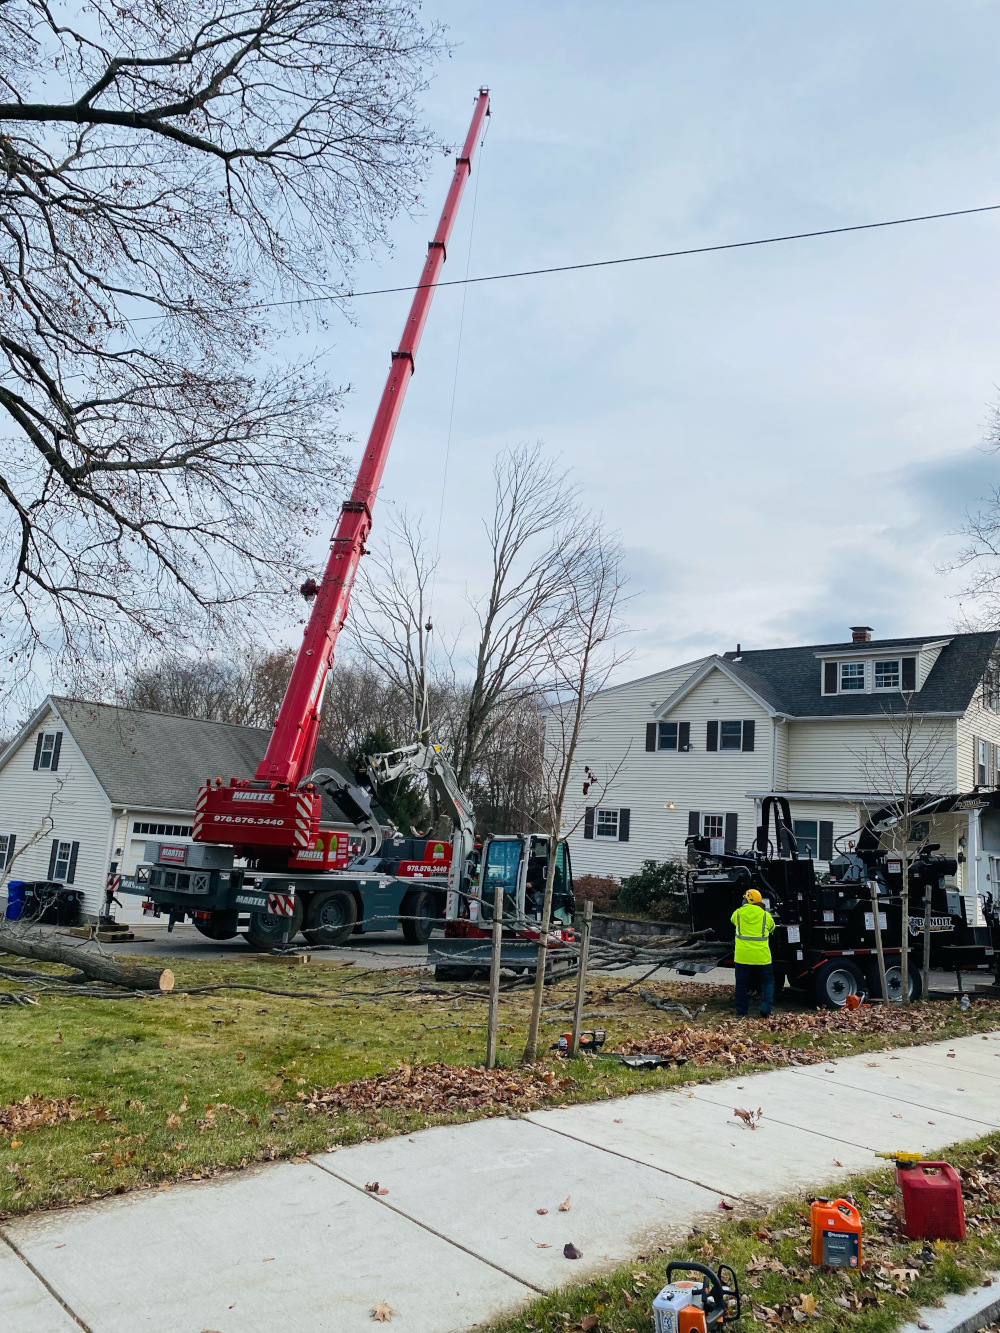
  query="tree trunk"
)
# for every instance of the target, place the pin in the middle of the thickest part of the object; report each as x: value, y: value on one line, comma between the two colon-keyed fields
x: 97, y: 966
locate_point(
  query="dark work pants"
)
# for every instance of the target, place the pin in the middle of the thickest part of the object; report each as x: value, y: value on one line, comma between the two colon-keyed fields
x: 747, y: 973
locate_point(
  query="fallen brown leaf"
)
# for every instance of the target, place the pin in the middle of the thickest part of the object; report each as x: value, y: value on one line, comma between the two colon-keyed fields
x: 34, y: 1111
x: 590, y: 1323
x: 565, y: 1205
x: 541, y: 1211
x: 383, y: 1312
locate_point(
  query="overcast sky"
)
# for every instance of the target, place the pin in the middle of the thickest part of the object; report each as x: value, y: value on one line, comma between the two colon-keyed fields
x: 784, y: 436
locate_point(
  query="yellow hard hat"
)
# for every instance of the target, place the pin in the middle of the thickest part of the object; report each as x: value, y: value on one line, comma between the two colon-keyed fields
x: 752, y: 896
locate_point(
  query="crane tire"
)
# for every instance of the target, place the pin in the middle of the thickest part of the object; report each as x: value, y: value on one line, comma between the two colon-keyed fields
x: 331, y: 917
x: 836, y: 979
x: 221, y: 926
x: 266, y: 932
x: 418, y: 913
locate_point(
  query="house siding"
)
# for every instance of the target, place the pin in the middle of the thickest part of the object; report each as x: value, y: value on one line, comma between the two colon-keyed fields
x: 845, y: 756
x: 646, y: 783
x: 80, y: 812
x: 979, y: 722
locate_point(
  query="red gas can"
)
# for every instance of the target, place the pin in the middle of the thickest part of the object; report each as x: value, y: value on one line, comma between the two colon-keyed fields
x: 932, y: 1201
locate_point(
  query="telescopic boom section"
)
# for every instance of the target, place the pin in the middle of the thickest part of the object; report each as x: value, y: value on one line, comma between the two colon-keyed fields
x: 289, y: 758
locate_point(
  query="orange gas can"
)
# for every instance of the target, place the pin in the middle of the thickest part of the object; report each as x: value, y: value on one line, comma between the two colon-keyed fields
x: 836, y: 1233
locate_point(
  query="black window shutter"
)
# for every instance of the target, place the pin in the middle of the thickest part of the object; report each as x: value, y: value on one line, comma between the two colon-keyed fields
x: 38, y: 749
x: 825, y: 840
x: 749, y: 727
x: 57, y: 746
x: 683, y: 736
x: 72, y: 863
x: 909, y: 673
x: 11, y: 839
x: 650, y: 735
x: 694, y: 824
x: 624, y: 819
x: 712, y: 736
x: 52, y: 858
x: 830, y: 677
x: 731, y: 823
x: 588, y: 822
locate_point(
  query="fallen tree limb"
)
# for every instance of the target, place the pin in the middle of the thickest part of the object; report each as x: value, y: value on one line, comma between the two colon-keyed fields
x: 97, y: 966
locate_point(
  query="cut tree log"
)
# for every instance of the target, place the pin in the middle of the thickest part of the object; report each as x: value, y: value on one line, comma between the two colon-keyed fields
x: 96, y: 966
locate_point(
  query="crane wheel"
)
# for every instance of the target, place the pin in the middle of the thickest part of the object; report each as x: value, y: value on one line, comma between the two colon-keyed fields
x: 330, y: 917
x: 421, y: 907
x: 221, y: 926
x: 836, y: 979
x: 267, y: 932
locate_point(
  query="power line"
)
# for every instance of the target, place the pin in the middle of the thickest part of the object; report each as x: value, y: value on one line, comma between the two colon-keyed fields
x: 641, y: 259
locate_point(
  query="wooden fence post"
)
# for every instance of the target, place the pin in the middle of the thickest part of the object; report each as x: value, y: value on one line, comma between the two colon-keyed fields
x: 581, y: 977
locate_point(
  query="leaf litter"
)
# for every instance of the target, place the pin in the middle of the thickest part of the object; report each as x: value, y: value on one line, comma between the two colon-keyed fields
x: 439, y: 1089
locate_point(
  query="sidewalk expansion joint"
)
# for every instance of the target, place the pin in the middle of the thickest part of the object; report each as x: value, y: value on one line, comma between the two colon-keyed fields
x: 907, y: 1101
x: 676, y: 1175
x: 515, y: 1277
x: 45, y: 1282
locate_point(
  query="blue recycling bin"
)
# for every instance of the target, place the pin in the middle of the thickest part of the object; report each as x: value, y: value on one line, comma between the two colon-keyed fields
x: 15, y: 900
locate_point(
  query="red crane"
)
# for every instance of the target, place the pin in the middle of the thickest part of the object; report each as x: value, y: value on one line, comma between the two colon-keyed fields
x: 277, y: 813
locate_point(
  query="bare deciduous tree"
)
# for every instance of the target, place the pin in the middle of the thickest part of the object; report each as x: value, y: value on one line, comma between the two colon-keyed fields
x: 536, y: 538
x: 580, y: 657
x: 904, y: 764
x: 165, y: 169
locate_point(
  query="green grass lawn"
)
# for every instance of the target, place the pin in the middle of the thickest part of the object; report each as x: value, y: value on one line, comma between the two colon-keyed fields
x: 182, y: 1086
x: 780, y: 1287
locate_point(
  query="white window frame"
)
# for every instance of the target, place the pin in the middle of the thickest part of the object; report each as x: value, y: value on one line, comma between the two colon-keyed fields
x: 5, y: 841
x: 46, y: 750
x: 716, y: 842
x: 670, y: 749
x: 607, y: 810
x: 61, y: 843
x: 886, y: 661
x: 730, y: 749
x: 853, y: 689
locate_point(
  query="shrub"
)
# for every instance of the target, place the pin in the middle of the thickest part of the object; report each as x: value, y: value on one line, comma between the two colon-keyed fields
x: 601, y: 890
x: 657, y: 889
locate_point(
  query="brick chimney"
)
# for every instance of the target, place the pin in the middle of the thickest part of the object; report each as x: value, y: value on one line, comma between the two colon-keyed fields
x: 861, y: 633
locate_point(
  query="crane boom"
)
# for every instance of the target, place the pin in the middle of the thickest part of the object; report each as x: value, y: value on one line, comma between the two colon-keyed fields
x: 290, y: 753
x: 273, y: 811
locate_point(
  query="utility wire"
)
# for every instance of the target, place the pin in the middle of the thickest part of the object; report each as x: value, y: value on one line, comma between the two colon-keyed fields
x: 627, y: 259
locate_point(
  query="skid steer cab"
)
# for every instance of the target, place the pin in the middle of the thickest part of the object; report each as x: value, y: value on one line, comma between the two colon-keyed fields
x: 509, y: 877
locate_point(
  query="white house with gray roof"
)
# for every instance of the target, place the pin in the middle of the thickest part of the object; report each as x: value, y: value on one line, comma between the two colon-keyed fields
x: 695, y: 748
x: 83, y: 786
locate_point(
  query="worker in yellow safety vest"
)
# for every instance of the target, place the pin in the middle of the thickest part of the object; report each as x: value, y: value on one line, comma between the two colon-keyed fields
x: 752, y: 953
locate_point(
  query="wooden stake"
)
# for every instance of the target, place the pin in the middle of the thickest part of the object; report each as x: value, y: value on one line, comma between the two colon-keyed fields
x: 493, y: 1016
x: 927, y: 941
x: 878, y: 940
x: 581, y: 977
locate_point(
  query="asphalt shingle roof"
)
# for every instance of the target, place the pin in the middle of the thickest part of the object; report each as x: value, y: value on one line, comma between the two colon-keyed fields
x: 157, y: 761
x: 789, y: 678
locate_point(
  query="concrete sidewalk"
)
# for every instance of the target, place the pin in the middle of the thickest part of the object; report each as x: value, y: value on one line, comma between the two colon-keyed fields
x: 458, y: 1237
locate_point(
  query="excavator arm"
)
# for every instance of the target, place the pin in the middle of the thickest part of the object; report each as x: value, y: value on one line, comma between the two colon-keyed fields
x: 413, y: 760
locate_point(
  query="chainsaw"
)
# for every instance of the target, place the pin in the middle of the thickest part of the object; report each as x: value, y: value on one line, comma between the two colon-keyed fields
x: 696, y: 1306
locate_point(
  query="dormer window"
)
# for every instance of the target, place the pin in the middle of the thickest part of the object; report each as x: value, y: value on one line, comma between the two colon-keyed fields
x: 887, y: 674
x: 852, y: 676
x: 870, y: 675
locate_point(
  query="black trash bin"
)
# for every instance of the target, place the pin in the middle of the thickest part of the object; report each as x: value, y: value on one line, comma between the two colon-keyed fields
x: 52, y: 904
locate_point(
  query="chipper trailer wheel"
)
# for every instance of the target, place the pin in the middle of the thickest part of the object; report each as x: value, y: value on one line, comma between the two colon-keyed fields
x: 836, y: 980
x: 894, y: 982
x: 267, y: 932
x: 421, y: 907
x: 330, y: 917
